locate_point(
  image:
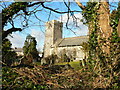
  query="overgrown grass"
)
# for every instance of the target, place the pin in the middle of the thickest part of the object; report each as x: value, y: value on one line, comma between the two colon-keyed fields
x: 37, y: 78
x: 74, y: 64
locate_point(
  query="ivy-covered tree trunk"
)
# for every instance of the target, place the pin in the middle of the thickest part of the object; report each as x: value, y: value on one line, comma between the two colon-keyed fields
x: 104, y: 26
x: 97, y: 15
x: 104, y: 43
x: 118, y: 29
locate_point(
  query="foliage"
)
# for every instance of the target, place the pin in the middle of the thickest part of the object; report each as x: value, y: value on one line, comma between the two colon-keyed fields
x: 102, y: 70
x: 30, y: 47
x: 8, y: 55
x: 115, y: 16
x: 85, y: 47
x: 14, y: 8
x: 89, y: 12
x: 65, y: 58
x: 12, y: 80
x: 104, y: 67
x: 91, y: 16
x: 38, y: 78
x: 7, y: 16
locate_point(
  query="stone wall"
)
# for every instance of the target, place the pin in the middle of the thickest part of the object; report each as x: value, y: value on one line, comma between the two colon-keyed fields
x: 73, y: 52
x: 53, y: 33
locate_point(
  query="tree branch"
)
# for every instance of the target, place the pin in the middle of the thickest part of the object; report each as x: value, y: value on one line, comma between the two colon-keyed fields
x: 5, y: 33
x: 14, y: 8
x: 34, y: 4
x: 80, y: 4
x: 42, y: 3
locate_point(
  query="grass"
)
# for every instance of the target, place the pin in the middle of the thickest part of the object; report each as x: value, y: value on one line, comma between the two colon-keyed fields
x: 75, y: 64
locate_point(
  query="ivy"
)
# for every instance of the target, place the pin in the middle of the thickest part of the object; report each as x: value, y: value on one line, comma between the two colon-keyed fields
x: 114, y: 19
x: 98, y: 61
x: 13, y: 81
x: 90, y: 14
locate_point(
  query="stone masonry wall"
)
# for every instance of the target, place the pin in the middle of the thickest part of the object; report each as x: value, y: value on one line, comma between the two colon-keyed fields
x: 53, y: 32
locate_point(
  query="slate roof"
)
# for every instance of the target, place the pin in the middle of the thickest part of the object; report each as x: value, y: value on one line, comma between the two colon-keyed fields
x: 72, y: 41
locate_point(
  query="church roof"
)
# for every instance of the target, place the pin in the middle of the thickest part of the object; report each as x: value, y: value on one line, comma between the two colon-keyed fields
x: 73, y: 41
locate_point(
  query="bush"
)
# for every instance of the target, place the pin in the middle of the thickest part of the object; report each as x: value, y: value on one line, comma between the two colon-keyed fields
x: 13, y: 81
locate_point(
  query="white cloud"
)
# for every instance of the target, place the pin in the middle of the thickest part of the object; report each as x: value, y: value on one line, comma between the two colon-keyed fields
x: 39, y: 35
x: 75, y: 23
x: 72, y: 19
x: 17, y: 40
x: 83, y: 31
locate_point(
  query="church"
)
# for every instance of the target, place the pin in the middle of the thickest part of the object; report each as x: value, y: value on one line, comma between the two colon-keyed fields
x: 56, y: 45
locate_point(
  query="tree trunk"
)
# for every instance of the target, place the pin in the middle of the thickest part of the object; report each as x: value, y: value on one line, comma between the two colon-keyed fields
x: 104, y: 26
x: 118, y: 29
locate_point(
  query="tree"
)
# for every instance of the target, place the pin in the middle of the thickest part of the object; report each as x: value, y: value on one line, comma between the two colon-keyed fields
x: 98, y: 19
x: 8, y: 55
x: 14, y: 8
x: 29, y: 48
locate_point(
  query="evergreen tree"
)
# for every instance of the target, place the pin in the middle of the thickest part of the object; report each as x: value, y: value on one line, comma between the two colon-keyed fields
x: 8, y: 55
x: 29, y: 48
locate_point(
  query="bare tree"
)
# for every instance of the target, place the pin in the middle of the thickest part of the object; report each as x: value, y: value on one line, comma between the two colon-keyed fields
x: 12, y: 11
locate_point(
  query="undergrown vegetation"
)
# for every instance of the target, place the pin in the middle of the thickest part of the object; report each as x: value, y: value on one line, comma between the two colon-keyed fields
x: 39, y: 78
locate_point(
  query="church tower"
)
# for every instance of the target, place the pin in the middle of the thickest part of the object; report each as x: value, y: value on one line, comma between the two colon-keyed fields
x: 52, y: 34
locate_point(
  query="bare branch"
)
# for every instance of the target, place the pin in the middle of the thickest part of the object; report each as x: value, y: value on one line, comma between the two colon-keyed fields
x: 80, y: 4
x: 34, y: 4
x: 49, y: 16
x: 5, y: 33
x: 56, y: 10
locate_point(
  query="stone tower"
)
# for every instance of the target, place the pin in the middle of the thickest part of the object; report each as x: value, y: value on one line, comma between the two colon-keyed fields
x: 52, y: 34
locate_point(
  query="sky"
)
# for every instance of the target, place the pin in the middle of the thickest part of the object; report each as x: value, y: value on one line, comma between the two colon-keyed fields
x: 58, y: 0
x: 37, y: 27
